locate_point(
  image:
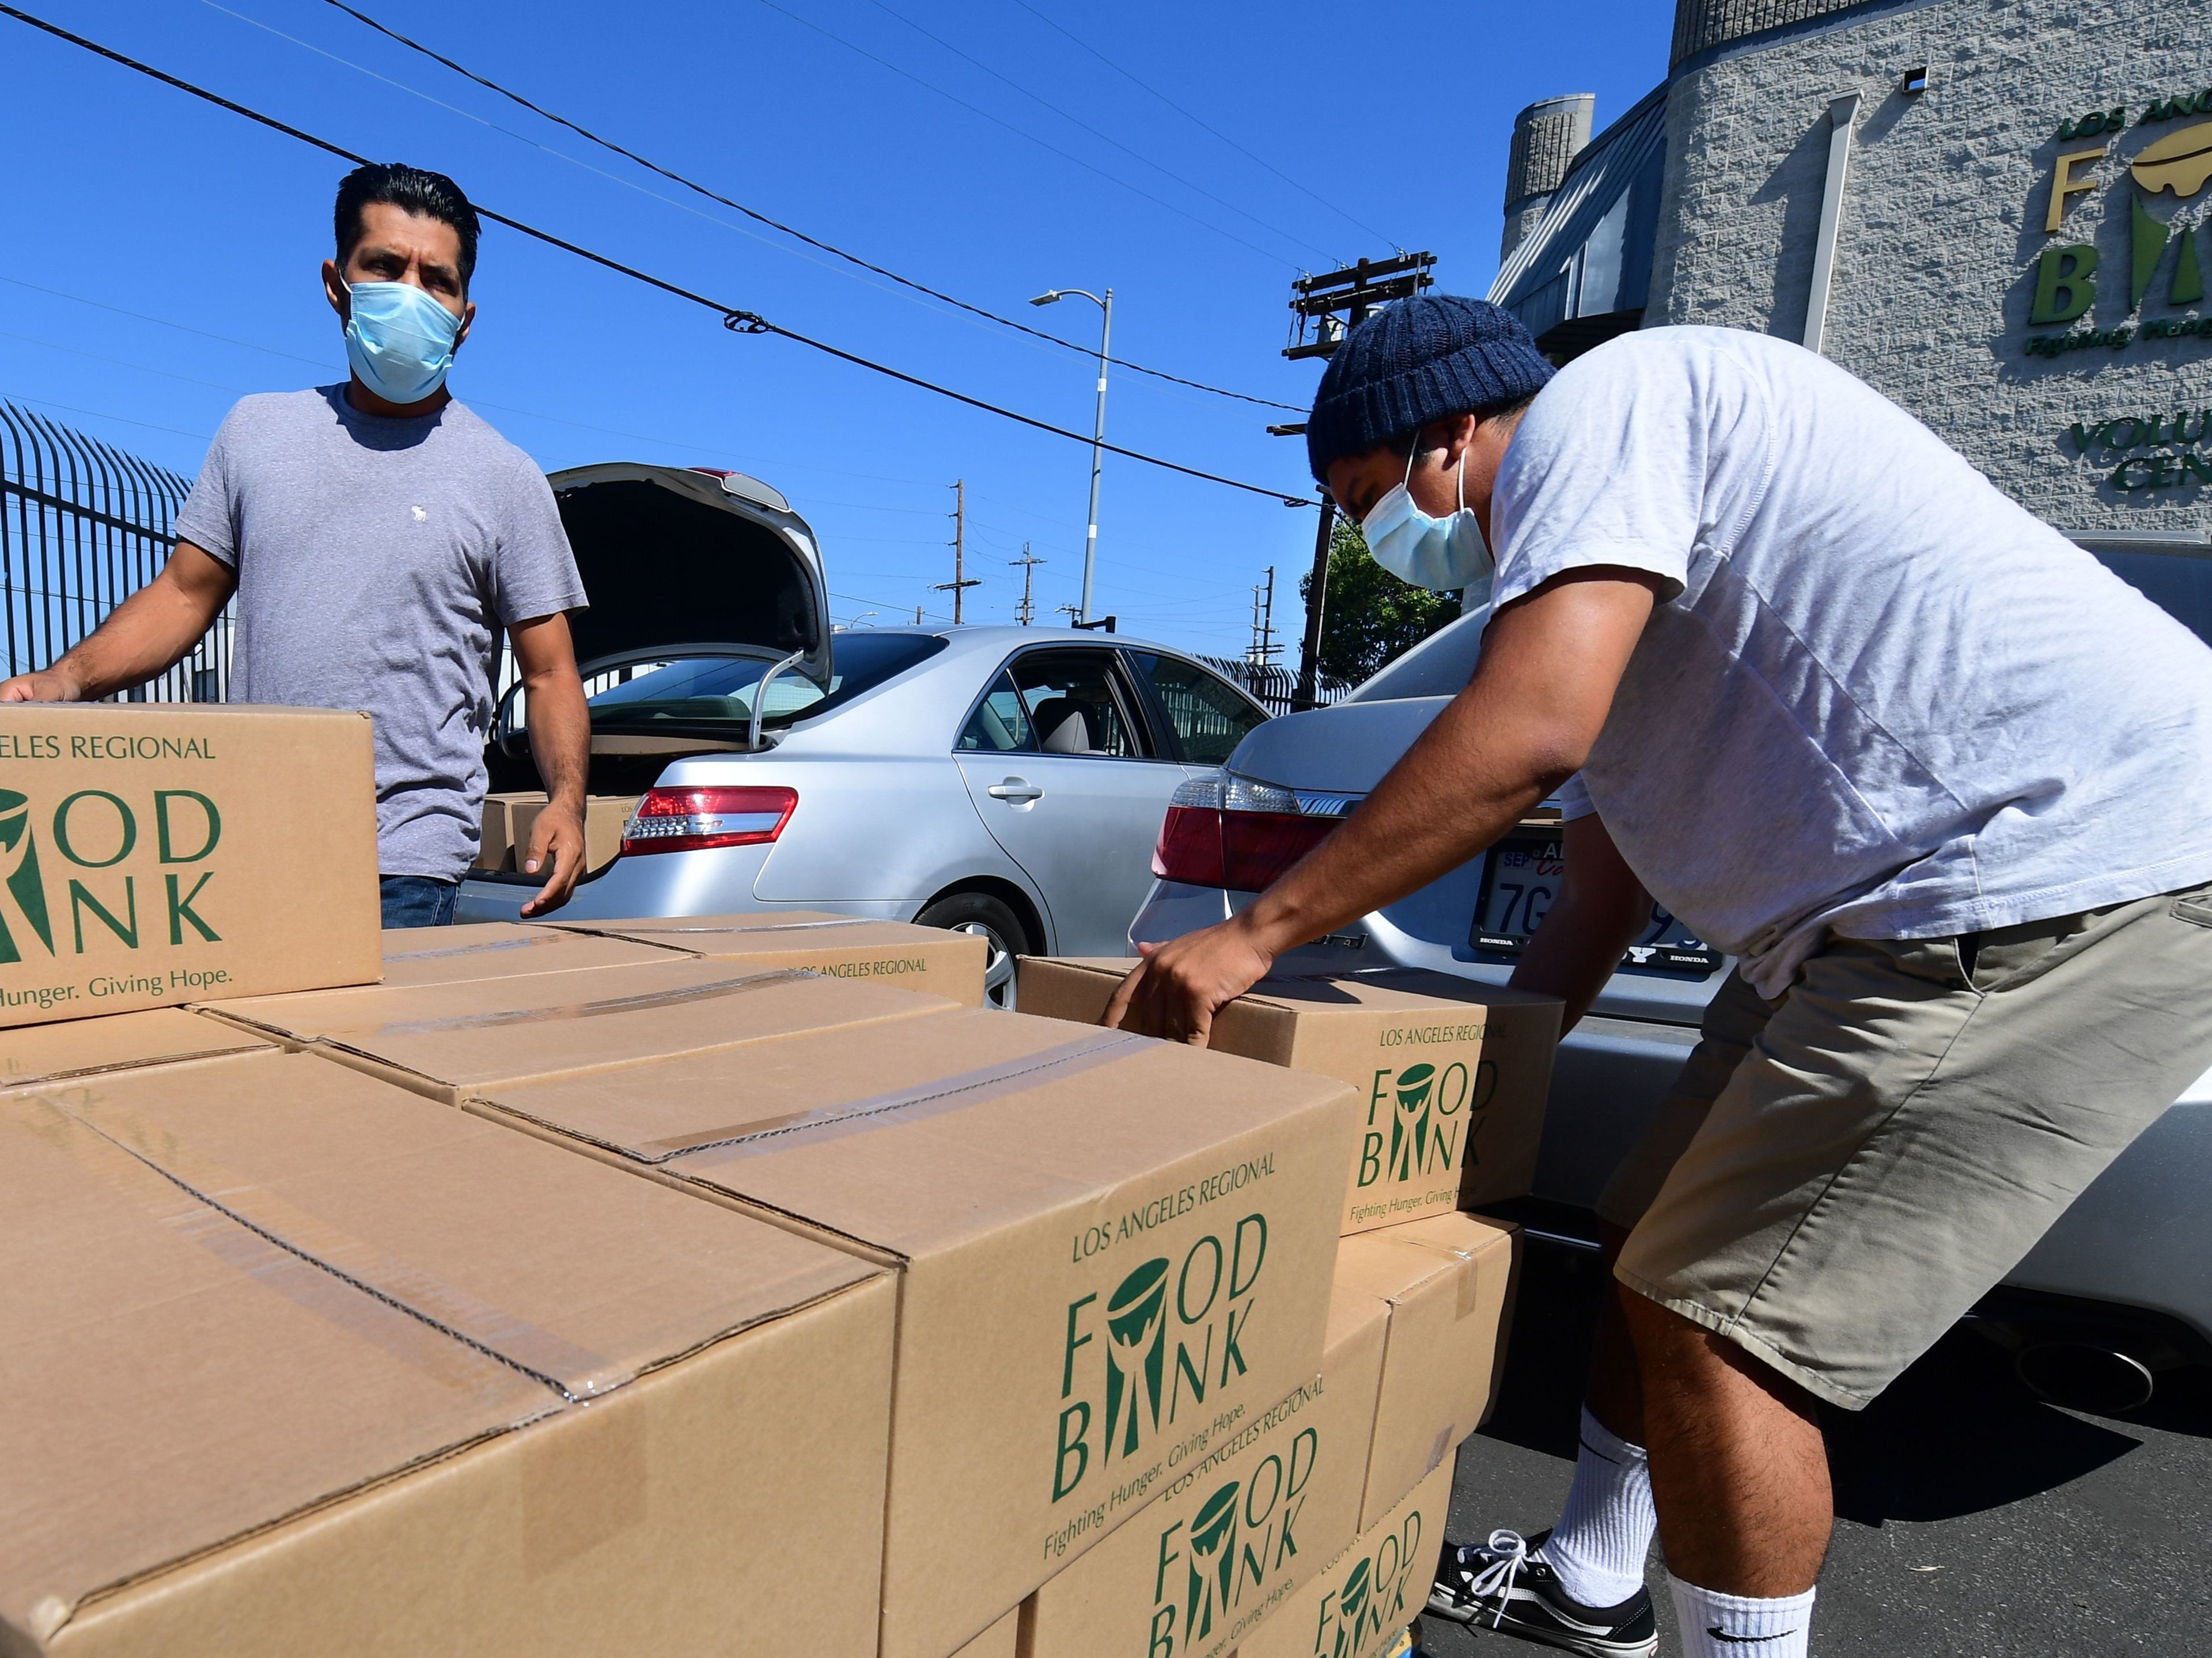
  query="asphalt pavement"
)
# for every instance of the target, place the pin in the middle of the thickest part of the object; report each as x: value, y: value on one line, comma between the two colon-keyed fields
x: 1973, y: 1520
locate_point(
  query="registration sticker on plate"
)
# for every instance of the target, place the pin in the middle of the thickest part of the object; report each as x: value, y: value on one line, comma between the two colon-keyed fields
x: 1520, y: 883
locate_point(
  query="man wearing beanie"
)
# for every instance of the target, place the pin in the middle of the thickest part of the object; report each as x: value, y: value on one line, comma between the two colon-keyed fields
x: 1939, y: 781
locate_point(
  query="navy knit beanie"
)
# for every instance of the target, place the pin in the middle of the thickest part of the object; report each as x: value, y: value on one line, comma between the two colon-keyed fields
x: 1420, y: 360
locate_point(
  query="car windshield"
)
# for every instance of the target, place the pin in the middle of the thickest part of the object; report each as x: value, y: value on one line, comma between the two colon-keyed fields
x: 710, y: 689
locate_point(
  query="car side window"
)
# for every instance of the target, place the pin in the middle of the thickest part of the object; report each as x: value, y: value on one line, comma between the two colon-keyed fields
x: 1000, y: 725
x: 1209, y: 717
x: 1073, y: 705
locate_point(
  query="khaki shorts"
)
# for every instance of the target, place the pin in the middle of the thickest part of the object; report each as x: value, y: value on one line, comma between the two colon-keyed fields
x: 1839, y: 1175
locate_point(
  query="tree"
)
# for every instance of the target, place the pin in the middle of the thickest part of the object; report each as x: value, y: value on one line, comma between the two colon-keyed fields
x: 1370, y: 617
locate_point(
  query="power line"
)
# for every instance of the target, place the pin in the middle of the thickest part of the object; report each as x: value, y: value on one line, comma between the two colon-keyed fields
x: 734, y: 318
x: 759, y: 217
x: 1053, y: 23
x: 1020, y: 132
x: 1104, y: 137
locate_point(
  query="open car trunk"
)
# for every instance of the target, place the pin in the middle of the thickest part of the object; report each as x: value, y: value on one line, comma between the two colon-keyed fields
x: 677, y: 557
x: 677, y: 561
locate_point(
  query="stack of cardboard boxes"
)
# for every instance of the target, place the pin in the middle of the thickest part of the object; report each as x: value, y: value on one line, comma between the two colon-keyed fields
x: 723, y: 1284
x: 1316, y: 1532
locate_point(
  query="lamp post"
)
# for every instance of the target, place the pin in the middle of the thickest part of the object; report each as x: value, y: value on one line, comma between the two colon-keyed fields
x: 1098, y: 431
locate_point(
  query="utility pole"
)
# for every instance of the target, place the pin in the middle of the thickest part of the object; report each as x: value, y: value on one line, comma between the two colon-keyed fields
x: 961, y: 581
x: 1261, y: 653
x: 1028, y: 562
x: 1334, y: 303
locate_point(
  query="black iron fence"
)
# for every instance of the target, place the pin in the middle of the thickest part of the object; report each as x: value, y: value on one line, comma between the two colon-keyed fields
x: 82, y: 527
x: 1273, y: 686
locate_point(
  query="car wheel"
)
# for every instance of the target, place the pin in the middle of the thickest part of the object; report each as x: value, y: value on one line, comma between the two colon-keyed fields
x: 997, y: 925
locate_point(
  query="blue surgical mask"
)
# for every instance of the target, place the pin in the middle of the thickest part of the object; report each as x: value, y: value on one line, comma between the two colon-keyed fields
x: 399, y: 340
x: 1443, y: 554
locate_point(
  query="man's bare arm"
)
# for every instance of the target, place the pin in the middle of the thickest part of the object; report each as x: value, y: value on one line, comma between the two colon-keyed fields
x: 1550, y: 664
x: 147, y: 633
x: 561, y: 744
x: 1600, y: 908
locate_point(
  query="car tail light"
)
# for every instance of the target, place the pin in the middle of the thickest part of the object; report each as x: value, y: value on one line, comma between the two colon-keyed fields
x: 1234, y: 832
x: 690, y: 820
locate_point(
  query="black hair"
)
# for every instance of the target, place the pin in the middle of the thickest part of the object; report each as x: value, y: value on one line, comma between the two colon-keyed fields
x: 1401, y: 443
x: 412, y: 189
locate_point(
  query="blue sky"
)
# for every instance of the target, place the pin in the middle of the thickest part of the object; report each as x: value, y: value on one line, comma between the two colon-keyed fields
x: 1002, y: 157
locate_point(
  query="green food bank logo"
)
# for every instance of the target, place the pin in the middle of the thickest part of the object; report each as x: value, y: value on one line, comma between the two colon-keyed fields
x: 73, y: 895
x: 1172, y: 1333
x: 1374, y: 1597
x: 1238, y: 1549
x: 1426, y: 1111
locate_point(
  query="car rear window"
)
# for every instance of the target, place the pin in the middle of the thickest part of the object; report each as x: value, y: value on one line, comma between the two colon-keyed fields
x: 717, y: 689
x: 2178, y: 583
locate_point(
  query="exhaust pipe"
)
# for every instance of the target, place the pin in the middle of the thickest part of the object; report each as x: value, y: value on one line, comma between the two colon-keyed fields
x: 2086, y: 1376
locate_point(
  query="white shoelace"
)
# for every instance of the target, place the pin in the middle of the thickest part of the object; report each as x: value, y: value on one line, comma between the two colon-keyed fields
x: 1505, y: 1554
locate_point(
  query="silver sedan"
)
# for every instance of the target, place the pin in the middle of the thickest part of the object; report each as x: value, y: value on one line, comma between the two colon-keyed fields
x: 1008, y: 781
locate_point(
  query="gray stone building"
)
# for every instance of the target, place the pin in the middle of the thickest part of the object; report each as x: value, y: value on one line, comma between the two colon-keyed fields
x: 1994, y: 211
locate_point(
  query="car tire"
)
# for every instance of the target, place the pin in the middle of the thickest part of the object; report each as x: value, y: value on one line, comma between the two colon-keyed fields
x: 996, y: 924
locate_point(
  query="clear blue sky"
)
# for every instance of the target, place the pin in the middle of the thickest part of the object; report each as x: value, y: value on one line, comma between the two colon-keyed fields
x: 1062, y: 174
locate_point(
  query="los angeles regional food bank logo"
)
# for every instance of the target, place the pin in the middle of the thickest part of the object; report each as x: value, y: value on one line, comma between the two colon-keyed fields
x: 1428, y: 1117
x: 90, y: 835
x: 2163, y: 259
x: 1173, y: 1334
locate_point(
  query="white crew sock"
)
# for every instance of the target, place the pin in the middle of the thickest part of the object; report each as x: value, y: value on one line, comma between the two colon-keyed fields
x: 1599, y: 1547
x: 1715, y: 1625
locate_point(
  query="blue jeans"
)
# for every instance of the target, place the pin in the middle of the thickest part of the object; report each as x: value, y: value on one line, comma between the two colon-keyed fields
x: 417, y: 899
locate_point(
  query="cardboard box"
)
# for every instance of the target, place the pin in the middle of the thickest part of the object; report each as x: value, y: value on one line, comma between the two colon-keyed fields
x: 299, y: 1363
x: 450, y: 1040
x: 1111, y: 1250
x: 1359, y: 1605
x: 1452, y: 1075
x: 1449, y: 1281
x: 504, y: 950
x: 156, y: 854
x: 603, y: 818
x: 32, y: 1055
x: 1001, y: 1640
x: 1234, y: 1534
x: 925, y: 958
x: 495, y: 831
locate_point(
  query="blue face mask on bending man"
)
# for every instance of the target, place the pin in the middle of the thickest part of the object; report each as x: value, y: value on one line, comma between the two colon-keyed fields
x: 1443, y: 554
x: 399, y: 340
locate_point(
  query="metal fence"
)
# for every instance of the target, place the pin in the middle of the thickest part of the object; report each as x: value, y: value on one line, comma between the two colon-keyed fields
x: 1272, y: 685
x: 82, y: 527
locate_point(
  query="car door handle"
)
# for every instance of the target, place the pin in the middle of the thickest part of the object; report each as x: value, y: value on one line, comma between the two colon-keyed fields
x: 1015, y: 788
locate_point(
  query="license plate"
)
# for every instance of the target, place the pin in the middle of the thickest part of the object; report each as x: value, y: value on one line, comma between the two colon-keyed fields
x: 1519, y: 885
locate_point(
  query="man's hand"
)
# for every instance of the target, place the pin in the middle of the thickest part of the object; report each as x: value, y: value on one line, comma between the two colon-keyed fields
x: 54, y: 684
x: 1551, y: 662
x: 1176, y: 990
x: 561, y: 743
x: 557, y: 846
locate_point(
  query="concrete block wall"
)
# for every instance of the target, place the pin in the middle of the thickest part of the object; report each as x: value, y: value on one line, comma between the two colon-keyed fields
x: 1943, y: 223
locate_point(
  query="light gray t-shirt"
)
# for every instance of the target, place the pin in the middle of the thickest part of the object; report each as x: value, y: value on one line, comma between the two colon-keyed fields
x: 1879, y: 699
x: 378, y: 562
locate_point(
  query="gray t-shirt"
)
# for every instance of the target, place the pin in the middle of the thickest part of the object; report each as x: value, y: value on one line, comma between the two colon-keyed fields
x: 1878, y: 698
x: 378, y: 562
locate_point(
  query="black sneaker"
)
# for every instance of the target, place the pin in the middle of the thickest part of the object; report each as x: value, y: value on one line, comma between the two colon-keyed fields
x: 1497, y: 1585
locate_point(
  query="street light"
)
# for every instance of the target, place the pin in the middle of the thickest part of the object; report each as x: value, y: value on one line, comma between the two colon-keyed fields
x: 1098, y: 431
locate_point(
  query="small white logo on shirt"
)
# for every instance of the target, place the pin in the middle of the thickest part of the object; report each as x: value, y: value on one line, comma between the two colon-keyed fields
x: 421, y: 517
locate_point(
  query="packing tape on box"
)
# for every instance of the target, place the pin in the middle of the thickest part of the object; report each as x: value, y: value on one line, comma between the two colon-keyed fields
x: 314, y: 1280
x: 549, y: 936
x: 639, y: 1003
x: 904, y: 1105
x: 762, y: 926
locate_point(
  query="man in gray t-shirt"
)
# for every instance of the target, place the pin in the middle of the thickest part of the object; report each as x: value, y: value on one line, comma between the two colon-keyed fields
x: 380, y: 538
